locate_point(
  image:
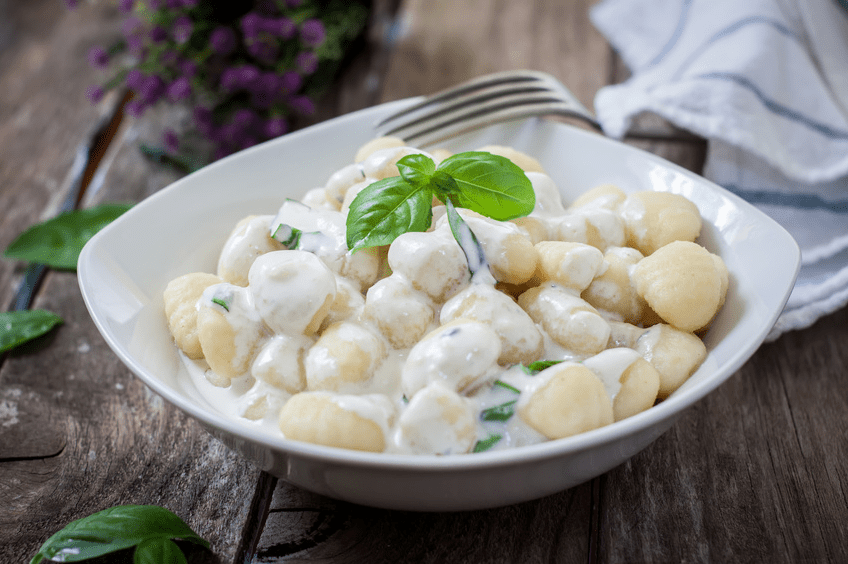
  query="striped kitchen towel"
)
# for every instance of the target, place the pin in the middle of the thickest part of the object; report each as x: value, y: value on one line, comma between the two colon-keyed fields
x: 766, y: 83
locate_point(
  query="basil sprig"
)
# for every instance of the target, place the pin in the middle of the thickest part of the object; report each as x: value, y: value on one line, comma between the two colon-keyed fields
x: 535, y: 367
x: 488, y: 184
x: 148, y: 528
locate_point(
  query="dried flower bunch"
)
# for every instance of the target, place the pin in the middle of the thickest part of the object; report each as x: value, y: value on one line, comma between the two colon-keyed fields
x: 245, y: 68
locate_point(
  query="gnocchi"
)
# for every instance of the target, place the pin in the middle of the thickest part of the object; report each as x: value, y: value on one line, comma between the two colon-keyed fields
x: 583, y: 315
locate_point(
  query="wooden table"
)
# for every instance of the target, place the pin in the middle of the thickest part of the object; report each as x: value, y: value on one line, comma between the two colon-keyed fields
x: 756, y: 472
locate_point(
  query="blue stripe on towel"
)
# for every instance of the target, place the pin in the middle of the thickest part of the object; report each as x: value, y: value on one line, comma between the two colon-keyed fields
x: 729, y: 30
x: 675, y: 36
x: 777, y: 108
x: 800, y: 201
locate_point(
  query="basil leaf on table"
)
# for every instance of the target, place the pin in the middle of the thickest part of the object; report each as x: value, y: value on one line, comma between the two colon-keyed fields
x: 490, y: 185
x: 385, y: 209
x: 57, y: 242
x: 118, y: 528
x: 158, y: 551
x: 18, y: 327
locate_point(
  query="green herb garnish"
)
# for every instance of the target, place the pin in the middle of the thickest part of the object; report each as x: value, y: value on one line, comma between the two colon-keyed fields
x: 148, y: 528
x: 287, y: 235
x: 487, y: 443
x: 222, y: 302
x: 485, y: 183
x: 18, y: 327
x: 501, y: 412
x: 474, y: 254
x: 57, y: 242
x: 535, y: 367
x: 502, y: 384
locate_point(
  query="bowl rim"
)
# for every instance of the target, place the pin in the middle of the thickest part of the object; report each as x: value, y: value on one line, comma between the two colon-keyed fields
x: 668, y: 409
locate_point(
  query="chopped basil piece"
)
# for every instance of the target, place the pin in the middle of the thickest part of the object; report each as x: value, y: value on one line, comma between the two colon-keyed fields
x: 500, y: 412
x: 287, y: 236
x: 535, y: 367
x: 221, y: 302
x: 503, y: 384
x: 468, y: 242
x: 487, y: 443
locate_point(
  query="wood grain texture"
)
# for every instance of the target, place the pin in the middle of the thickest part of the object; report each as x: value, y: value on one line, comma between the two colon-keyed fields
x: 43, y: 72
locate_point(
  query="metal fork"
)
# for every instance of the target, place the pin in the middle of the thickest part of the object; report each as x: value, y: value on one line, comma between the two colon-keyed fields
x: 483, y: 101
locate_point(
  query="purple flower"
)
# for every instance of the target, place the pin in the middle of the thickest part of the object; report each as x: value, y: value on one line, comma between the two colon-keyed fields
x: 171, y: 141
x: 169, y: 57
x: 290, y: 82
x: 243, y: 119
x: 183, y: 26
x: 126, y: 6
x: 275, y: 127
x: 203, y: 120
x: 293, y: 3
x: 134, y: 79
x: 152, y: 89
x: 158, y: 34
x: 306, y: 61
x: 251, y: 25
x: 312, y: 32
x: 189, y: 3
x: 246, y: 141
x: 223, y: 40
x: 94, y: 94
x: 302, y: 105
x: 174, y: 4
x: 230, y: 79
x: 135, y: 108
x: 188, y: 68
x: 264, y: 51
x: 283, y: 28
x: 180, y: 89
x: 247, y: 75
x: 155, y: 4
x: 98, y: 58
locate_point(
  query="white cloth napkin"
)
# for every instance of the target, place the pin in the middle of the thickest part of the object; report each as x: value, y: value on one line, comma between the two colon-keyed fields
x: 766, y: 83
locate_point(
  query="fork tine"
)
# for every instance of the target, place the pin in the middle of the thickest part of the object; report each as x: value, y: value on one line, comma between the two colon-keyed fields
x: 480, y: 82
x: 482, y: 101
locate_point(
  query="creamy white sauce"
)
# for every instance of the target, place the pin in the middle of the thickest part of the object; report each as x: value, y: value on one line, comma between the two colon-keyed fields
x: 422, y: 396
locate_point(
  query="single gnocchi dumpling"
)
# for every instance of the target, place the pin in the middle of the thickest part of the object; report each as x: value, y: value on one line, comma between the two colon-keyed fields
x: 572, y: 265
x: 568, y: 400
x: 229, y: 330
x: 340, y: 182
x: 320, y: 199
x: 682, y: 284
x: 432, y: 262
x: 631, y: 381
x: 607, y: 196
x: 292, y: 291
x: 250, y: 239
x: 567, y: 318
x: 377, y: 144
x: 521, y: 340
x: 460, y: 354
x: 596, y: 226
x: 402, y: 314
x: 348, y: 304
x: 357, y: 422
x: 344, y: 358
x: 180, y: 298
x: 511, y: 255
x: 436, y: 421
x: 612, y: 291
x: 548, y: 196
x: 674, y: 353
x: 655, y: 219
x: 280, y: 362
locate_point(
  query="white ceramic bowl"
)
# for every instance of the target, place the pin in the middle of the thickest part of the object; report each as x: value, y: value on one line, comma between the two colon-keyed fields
x: 124, y: 269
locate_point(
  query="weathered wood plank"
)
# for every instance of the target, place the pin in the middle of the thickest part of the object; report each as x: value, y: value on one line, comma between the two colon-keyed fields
x: 43, y: 72
x: 754, y: 473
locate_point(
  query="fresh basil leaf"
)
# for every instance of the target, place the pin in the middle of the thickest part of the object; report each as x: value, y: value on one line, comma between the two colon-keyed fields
x: 385, y: 209
x: 114, y: 529
x: 500, y: 412
x: 489, y: 184
x: 487, y: 443
x: 444, y: 185
x: 416, y: 169
x: 502, y: 384
x: 535, y: 367
x: 57, y: 242
x: 468, y: 242
x: 18, y: 327
x: 158, y: 551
